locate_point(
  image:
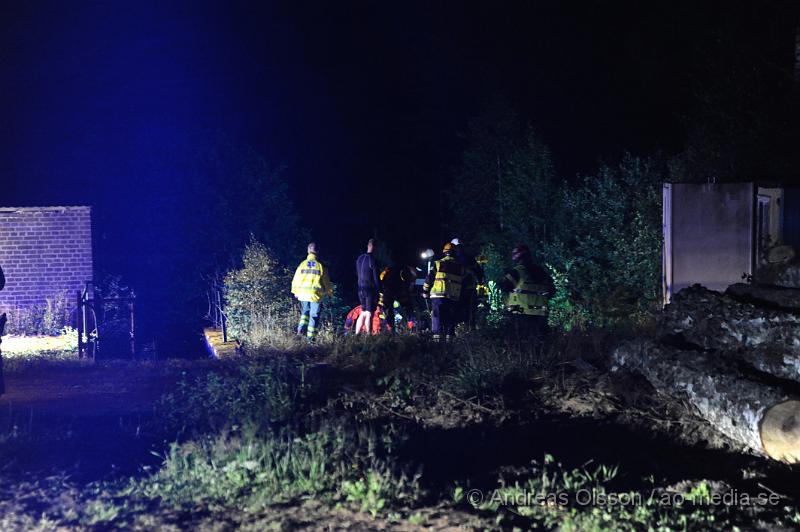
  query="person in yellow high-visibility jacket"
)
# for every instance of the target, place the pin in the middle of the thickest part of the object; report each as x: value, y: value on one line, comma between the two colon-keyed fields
x: 443, y: 287
x: 529, y: 288
x: 309, y: 285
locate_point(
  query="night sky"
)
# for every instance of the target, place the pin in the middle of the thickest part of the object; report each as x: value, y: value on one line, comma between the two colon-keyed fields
x: 363, y: 103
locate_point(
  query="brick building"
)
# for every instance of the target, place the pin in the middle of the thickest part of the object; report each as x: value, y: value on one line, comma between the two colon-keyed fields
x: 44, y: 252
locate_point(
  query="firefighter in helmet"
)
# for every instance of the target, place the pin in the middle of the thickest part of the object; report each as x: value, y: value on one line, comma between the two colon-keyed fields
x: 443, y: 287
x: 309, y: 285
x: 528, y: 289
x: 474, y: 276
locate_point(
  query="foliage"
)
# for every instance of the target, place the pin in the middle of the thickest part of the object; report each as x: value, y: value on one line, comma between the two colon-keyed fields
x: 42, y: 361
x: 486, y: 365
x: 605, y: 255
x: 113, y: 316
x: 112, y: 286
x: 70, y: 335
x: 257, y: 471
x: 507, y: 174
x: 384, y: 353
x: 252, y: 471
x: 368, y: 492
x: 562, y: 311
x: 599, y: 238
x: 551, y: 496
x: 261, y: 392
x: 257, y: 296
x: 334, y: 310
x: 490, y: 139
x: 399, y: 390
x: 45, y: 319
x: 261, y: 311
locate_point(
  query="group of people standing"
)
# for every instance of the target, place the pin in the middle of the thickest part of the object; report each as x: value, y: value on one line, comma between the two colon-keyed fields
x: 450, y: 289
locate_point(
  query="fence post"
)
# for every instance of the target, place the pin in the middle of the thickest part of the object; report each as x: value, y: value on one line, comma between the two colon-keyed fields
x: 79, y: 320
x: 224, y: 318
x: 217, y: 307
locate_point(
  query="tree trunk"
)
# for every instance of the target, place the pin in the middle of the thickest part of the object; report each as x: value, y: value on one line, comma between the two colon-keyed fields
x: 775, y: 297
x: 759, y: 418
x: 767, y: 340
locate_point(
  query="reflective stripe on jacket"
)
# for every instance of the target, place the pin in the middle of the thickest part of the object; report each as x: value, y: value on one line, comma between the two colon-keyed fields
x: 446, y: 282
x: 311, y: 282
x: 528, y: 297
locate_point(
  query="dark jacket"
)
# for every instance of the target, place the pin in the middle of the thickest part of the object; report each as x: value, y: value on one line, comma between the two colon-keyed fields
x: 474, y: 274
x: 397, y: 281
x: 367, y: 273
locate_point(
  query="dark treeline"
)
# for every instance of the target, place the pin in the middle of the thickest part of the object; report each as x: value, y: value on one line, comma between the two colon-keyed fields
x: 188, y: 130
x: 733, y: 101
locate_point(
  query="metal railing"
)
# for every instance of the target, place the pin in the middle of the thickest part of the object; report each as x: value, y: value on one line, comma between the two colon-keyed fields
x: 216, y: 304
x: 91, y: 315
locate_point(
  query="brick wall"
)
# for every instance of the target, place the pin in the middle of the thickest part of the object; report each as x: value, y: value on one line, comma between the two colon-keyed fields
x: 44, y: 251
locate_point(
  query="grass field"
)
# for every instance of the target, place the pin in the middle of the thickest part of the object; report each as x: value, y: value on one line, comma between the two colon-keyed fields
x: 366, y: 433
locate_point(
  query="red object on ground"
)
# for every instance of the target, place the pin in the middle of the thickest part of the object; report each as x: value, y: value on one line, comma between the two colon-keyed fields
x: 378, y: 321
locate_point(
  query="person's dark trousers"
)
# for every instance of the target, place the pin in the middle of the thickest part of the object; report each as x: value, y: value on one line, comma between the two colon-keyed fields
x: 461, y: 310
x: 388, y: 311
x: 443, y: 318
x: 368, y: 299
x: 530, y: 328
x: 451, y: 308
x: 309, y: 319
x: 467, y: 308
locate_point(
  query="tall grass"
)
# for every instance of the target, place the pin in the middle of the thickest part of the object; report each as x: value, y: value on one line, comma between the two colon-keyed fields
x: 256, y: 392
x: 251, y: 470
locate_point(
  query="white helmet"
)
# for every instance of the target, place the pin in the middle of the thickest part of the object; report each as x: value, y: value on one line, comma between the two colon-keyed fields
x: 455, y: 242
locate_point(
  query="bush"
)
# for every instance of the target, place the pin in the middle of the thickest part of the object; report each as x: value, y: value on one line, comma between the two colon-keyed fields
x: 605, y: 254
x: 49, y: 318
x: 258, y: 301
x: 600, y: 238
